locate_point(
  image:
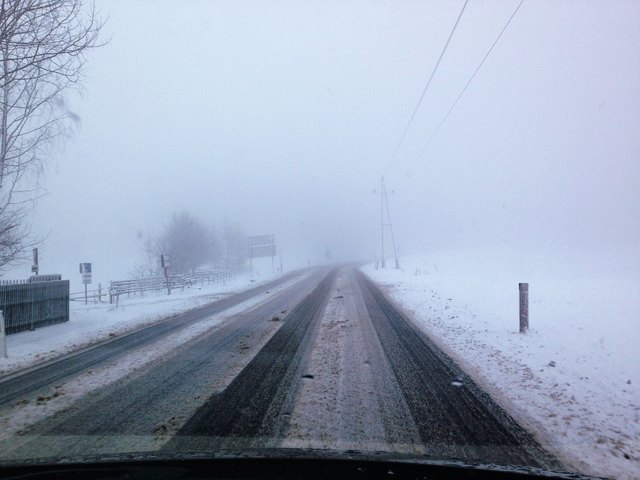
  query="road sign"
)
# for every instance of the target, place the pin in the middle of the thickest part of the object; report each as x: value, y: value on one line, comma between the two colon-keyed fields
x: 165, y: 263
x: 261, y: 240
x: 34, y: 267
x: 262, y: 246
x: 263, y: 251
x: 85, y: 270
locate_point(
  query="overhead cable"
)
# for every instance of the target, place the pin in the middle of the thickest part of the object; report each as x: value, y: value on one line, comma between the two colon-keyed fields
x: 433, y: 72
x: 424, y: 148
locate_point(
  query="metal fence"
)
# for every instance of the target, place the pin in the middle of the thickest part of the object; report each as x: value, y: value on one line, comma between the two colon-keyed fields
x: 36, y: 302
x: 138, y: 286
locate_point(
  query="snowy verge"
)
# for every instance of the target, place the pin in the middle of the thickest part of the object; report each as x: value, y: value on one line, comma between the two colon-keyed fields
x: 573, y: 379
x: 93, y: 323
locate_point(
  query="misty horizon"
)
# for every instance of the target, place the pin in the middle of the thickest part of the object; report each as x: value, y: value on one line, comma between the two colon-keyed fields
x: 284, y: 116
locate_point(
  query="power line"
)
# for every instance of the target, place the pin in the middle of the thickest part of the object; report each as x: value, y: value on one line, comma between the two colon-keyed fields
x: 433, y: 72
x: 464, y: 89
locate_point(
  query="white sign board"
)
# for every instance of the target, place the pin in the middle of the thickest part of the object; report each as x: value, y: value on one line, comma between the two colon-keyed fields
x: 263, y: 251
x: 85, y: 270
x: 261, y: 240
x: 262, y: 246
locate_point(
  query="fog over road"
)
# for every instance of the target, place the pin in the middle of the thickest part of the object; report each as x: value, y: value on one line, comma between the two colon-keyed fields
x: 329, y: 363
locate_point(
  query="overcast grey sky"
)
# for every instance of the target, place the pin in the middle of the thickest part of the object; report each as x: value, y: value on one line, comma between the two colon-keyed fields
x: 283, y: 115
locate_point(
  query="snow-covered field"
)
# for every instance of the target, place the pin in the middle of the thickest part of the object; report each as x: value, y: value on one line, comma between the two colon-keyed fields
x: 574, y: 378
x: 92, y: 323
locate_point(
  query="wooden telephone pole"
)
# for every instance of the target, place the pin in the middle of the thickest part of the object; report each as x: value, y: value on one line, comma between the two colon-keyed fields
x: 384, y: 206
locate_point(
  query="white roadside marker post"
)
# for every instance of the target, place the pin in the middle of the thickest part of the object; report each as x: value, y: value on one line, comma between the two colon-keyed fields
x: 524, y: 307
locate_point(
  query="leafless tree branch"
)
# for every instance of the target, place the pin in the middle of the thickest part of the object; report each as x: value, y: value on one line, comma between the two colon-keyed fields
x: 42, y: 51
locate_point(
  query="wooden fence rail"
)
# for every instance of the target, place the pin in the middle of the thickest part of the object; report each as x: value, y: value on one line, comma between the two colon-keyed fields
x: 94, y: 296
x: 150, y: 284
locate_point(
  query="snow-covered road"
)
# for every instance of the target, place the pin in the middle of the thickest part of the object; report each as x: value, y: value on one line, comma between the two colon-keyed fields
x: 327, y: 363
x: 348, y: 371
x: 45, y: 389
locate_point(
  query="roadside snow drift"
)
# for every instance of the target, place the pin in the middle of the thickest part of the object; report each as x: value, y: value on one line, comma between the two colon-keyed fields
x: 573, y: 378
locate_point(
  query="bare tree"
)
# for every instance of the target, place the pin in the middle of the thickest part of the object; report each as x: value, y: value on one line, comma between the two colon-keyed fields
x: 190, y: 244
x: 188, y: 241
x: 215, y: 248
x: 234, y: 246
x: 42, y: 51
x: 149, y: 266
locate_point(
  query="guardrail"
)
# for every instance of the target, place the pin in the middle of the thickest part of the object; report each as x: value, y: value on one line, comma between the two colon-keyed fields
x: 150, y: 284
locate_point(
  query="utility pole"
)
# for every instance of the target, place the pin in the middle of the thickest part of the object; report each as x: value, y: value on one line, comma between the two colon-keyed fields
x: 382, y: 220
x: 393, y: 240
x: 384, y: 201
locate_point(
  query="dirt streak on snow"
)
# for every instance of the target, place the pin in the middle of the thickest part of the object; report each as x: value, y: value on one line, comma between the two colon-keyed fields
x: 572, y: 380
x: 348, y: 393
x: 27, y: 411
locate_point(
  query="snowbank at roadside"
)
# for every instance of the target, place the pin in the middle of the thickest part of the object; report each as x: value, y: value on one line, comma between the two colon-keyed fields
x: 574, y: 378
x: 92, y: 323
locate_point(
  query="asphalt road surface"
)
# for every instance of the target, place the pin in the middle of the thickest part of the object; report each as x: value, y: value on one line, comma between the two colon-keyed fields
x: 329, y: 363
x: 17, y: 385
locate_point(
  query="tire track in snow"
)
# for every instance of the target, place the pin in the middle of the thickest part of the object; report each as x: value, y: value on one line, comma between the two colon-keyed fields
x: 18, y: 384
x: 254, y: 408
x: 352, y: 401
x: 141, y: 411
x: 454, y: 417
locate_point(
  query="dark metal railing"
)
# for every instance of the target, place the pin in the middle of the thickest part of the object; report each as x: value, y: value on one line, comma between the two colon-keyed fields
x: 33, y: 303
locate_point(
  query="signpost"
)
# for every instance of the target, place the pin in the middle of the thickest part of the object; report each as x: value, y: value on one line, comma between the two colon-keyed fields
x: 85, y: 270
x: 165, y: 262
x: 3, y: 336
x: 34, y: 267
